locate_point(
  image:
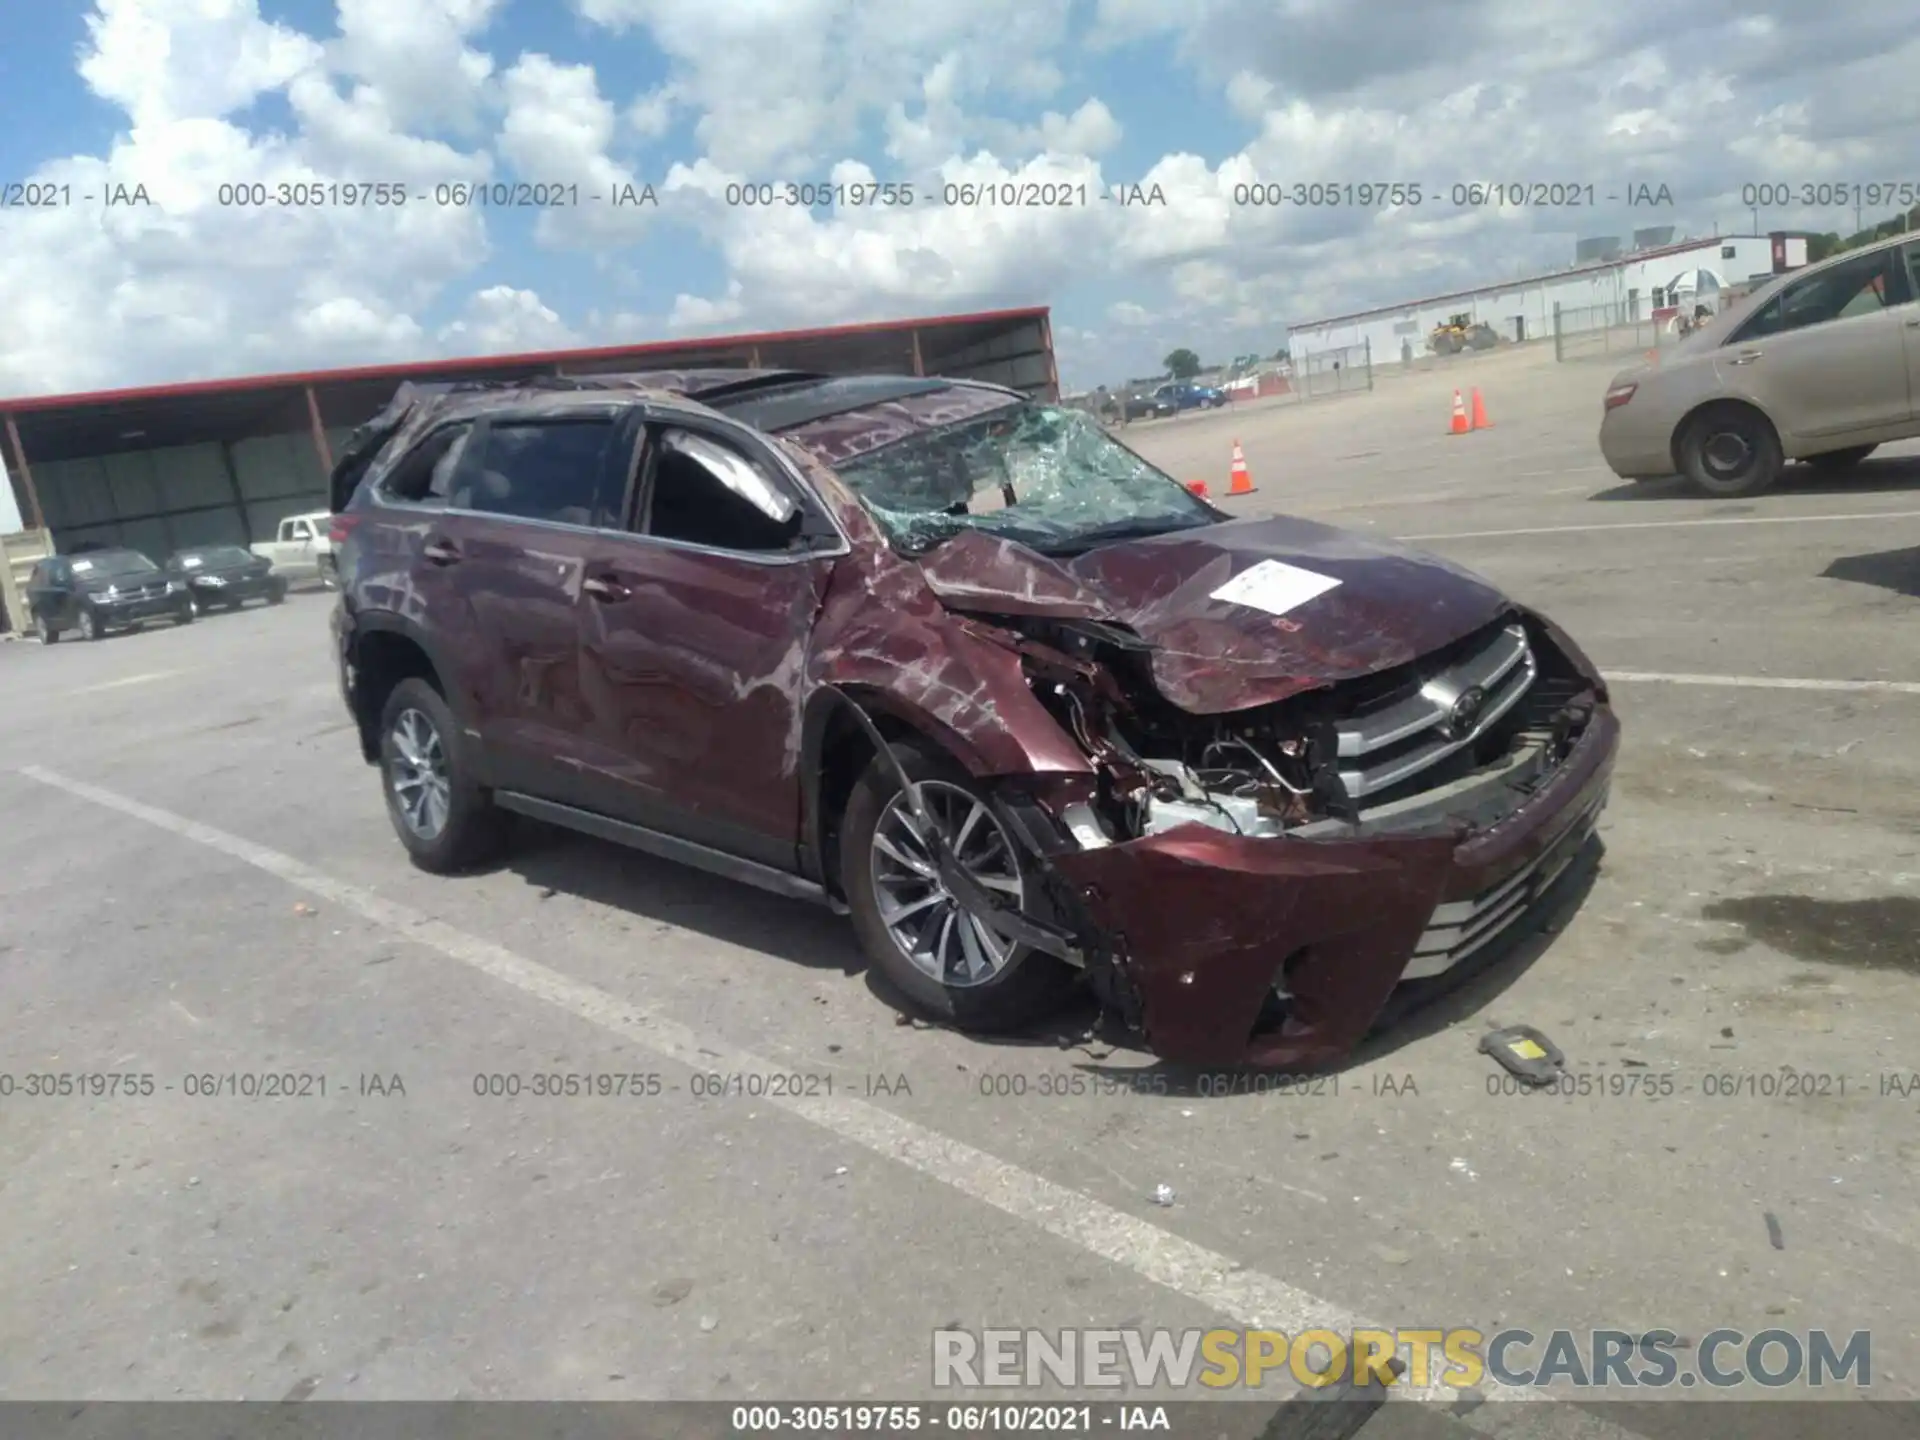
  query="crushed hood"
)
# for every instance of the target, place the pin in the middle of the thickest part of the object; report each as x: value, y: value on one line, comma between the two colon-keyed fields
x: 1392, y: 604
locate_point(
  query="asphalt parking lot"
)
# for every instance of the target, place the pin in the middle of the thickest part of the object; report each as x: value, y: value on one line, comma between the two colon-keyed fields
x: 197, y: 878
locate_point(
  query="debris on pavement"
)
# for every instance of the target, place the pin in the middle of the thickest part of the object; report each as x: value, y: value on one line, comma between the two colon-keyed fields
x: 1163, y: 1195
x: 708, y: 1324
x: 1525, y: 1053
x: 1774, y: 1232
x: 301, y: 907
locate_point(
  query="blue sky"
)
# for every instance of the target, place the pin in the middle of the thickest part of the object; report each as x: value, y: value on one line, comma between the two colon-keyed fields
x: 693, y: 95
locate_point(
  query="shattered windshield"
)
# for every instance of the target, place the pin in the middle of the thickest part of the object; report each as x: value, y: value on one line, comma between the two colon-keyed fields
x: 1043, y: 475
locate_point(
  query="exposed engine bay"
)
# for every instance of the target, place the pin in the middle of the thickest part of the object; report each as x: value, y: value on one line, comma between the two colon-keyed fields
x: 1423, y: 746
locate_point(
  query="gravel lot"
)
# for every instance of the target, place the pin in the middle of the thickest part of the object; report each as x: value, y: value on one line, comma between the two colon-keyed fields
x: 197, y: 878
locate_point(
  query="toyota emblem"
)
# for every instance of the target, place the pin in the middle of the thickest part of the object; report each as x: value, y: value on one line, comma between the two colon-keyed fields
x: 1465, y: 711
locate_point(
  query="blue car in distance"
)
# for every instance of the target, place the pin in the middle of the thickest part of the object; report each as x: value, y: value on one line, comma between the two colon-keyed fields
x: 1182, y: 395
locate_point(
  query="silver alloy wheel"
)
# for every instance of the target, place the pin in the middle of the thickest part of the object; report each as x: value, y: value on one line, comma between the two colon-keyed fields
x: 923, y: 919
x: 418, y: 774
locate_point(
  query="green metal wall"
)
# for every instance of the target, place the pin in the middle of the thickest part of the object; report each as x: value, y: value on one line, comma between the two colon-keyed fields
x: 159, y: 501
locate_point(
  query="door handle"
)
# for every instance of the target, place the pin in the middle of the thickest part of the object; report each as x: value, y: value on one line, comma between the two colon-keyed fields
x: 602, y: 588
x: 1745, y: 357
x: 440, y: 552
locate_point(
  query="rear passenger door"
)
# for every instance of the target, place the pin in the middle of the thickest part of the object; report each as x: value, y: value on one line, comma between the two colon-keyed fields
x: 1826, y: 358
x: 692, y: 636
x: 529, y: 497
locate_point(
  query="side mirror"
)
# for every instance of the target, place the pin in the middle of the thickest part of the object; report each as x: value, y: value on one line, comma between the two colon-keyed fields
x: 808, y: 531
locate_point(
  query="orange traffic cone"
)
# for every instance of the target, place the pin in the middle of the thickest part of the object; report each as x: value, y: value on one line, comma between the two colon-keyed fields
x: 1460, y: 426
x: 1241, y: 480
x: 1480, y: 421
x: 1198, y: 487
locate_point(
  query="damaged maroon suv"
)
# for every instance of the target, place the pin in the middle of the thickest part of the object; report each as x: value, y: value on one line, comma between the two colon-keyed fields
x: 955, y: 661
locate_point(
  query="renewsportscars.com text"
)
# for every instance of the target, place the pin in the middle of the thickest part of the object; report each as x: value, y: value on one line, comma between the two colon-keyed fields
x: 1457, y: 1359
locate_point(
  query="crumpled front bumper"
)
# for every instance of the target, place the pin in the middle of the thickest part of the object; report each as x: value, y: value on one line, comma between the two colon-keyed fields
x: 1202, y: 922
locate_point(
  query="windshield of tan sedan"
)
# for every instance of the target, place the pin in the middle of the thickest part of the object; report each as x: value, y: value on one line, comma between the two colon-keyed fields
x: 1043, y: 475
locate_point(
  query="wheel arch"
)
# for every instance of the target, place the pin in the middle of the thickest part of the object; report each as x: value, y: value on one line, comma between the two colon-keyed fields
x: 384, y: 649
x: 835, y: 750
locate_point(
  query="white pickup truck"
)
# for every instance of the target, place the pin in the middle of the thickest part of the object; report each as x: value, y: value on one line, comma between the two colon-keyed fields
x: 301, y: 549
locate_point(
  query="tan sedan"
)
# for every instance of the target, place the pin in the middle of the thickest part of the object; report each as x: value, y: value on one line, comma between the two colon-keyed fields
x: 1820, y: 365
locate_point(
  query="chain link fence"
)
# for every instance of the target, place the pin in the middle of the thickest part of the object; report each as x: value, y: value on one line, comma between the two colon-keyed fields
x: 1339, y: 370
x: 1595, y: 331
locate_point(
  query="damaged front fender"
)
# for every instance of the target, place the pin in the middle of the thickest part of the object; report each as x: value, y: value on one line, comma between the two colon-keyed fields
x: 1004, y: 920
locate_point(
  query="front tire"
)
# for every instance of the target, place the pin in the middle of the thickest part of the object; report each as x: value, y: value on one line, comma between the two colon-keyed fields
x: 446, y: 820
x: 48, y: 634
x: 1731, y: 452
x: 278, y: 594
x: 1835, y: 461
x: 931, y: 952
x: 186, y: 614
x: 90, y: 626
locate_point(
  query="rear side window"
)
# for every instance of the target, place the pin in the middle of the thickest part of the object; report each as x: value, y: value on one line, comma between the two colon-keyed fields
x: 565, y: 471
x: 1853, y: 287
x: 425, y: 475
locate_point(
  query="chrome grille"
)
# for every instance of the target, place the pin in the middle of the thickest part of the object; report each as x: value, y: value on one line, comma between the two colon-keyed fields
x: 1396, y: 742
x: 1461, y: 927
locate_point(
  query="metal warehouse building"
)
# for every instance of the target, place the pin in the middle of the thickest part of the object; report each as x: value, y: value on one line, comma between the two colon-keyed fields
x: 216, y: 461
x: 1610, y: 292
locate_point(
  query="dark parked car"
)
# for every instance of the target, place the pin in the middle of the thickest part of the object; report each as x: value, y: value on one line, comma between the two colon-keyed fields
x: 1181, y: 396
x: 225, y: 577
x: 102, y: 590
x: 959, y: 662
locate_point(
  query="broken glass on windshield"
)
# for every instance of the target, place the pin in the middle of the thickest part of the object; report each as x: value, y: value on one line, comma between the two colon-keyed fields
x: 1043, y: 475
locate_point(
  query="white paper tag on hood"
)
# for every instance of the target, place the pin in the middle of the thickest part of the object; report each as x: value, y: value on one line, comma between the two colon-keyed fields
x: 1275, y: 587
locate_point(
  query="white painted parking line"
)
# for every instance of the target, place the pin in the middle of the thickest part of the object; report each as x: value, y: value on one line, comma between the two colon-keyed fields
x: 1670, y: 524
x: 126, y: 680
x: 1764, y: 682
x: 1247, y: 1297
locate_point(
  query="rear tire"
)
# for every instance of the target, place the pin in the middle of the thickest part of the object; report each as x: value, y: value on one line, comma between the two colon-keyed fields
x: 1026, y: 988
x: 1730, y: 452
x: 420, y: 741
x: 1837, y: 460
